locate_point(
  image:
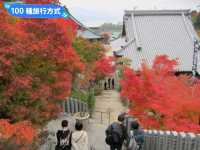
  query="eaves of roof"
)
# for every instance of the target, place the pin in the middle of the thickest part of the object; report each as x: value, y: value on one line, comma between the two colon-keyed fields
x: 157, y: 12
x: 80, y: 24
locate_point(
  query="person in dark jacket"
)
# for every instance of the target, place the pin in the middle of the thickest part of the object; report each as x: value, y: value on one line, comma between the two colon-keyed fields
x: 138, y: 133
x: 113, y: 83
x: 115, y: 135
x: 105, y: 85
x: 126, y: 120
x: 109, y: 83
x: 64, y: 137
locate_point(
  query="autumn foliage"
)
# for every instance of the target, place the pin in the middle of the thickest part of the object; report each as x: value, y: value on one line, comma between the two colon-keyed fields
x: 97, y: 65
x: 37, y: 67
x: 162, y: 100
x: 104, y: 67
x: 21, y: 131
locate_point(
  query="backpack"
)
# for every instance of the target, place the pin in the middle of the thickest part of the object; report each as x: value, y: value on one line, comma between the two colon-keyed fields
x: 114, y: 134
x: 132, y: 144
x: 127, y: 125
x: 64, y: 140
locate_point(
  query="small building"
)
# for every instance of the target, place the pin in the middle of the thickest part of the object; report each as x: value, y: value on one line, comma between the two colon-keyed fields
x: 84, y: 31
x: 149, y: 33
x: 88, y: 34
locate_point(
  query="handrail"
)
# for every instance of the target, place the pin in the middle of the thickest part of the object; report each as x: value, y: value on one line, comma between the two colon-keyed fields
x: 72, y: 105
x: 102, y: 112
x: 170, y: 140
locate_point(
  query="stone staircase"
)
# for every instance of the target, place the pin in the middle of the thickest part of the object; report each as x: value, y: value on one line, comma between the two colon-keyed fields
x: 109, y: 104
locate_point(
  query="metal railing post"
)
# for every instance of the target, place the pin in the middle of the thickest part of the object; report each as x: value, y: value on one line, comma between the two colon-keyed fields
x: 101, y: 117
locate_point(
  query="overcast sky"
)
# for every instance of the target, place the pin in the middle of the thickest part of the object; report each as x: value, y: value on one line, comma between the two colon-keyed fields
x: 96, y: 12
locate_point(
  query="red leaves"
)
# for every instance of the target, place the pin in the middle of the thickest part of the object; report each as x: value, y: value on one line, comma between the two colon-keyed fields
x: 21, y: 132
x: 37, y: 68
x: 163, y: 65
x: 162, y: 100
x: 62, y: 85
x: 6, y: 129
x: 128, y: 89
x: 22, y: 81
x: 104, y: 67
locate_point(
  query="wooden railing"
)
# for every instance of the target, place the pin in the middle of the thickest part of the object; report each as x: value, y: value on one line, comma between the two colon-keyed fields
x: 72, y: 105
x: 105, y: 117
x: 171, y: 140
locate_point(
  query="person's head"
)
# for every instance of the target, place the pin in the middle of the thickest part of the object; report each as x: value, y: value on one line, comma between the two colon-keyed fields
x: 135, y: 125
x: 121, y: 116
x: 64, y: 123
x: 78, y: 126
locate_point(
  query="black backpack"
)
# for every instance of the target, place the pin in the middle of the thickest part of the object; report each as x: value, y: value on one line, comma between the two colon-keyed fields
x: 64, y: 140
x: 114, y: 134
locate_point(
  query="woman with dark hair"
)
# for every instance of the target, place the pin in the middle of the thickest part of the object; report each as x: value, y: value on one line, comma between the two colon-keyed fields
x: 79, y: 138
x: 63, y: 137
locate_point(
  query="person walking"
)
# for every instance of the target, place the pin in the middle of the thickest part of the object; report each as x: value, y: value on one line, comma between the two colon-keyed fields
x: 115, y: 135
x: 109, y: 83
x: 113, y: 83
x: 63, y: 137
x: 138, y: 134
x: 105, y: 85
x: 79, y: 138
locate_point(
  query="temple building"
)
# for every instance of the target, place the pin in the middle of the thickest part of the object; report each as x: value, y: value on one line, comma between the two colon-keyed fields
x: 148, y: 33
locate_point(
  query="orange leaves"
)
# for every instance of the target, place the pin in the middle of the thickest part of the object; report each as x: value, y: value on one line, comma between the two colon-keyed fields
x: 162, y: 100
x: 163, y: 65
x: 24, y: 132
x: 6, y: 129
x: 62, y: 85
x: 23, y: 81
x: 38, y: 65
x: 21, y: 132
x: 37, y: 68
x: 104, y: 67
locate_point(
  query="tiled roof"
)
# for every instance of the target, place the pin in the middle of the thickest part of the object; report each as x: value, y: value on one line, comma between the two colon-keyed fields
x: 88, y: 34
x: 84, y: 32
x: 157, y: 32
x: 117, y: 44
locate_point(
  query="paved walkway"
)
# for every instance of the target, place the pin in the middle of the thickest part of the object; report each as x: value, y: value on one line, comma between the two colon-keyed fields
x: 53, y: 126
x: 107, y: 101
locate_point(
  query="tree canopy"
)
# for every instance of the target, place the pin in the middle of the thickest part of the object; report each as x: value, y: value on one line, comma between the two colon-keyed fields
x: 37, y: 67
x: 161, y: 100
x: 40, y: 60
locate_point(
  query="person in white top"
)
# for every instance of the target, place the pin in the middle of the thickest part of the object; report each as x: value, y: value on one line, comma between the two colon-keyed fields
x: 79, y: 138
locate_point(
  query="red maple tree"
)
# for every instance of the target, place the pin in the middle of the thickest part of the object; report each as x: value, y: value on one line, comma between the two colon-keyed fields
x: 104, y: 67
x: 160, y: 99
x: 21, y: 132
x: 37, y: 67
x: 97, y: 65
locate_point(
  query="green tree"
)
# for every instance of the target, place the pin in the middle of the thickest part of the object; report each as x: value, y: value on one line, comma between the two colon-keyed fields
x: 88, y: 51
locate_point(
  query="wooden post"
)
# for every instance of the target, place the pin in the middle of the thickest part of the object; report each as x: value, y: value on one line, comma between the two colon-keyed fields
x: 109, y: 117
x: 101, y: 118
x: 64, y: 108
